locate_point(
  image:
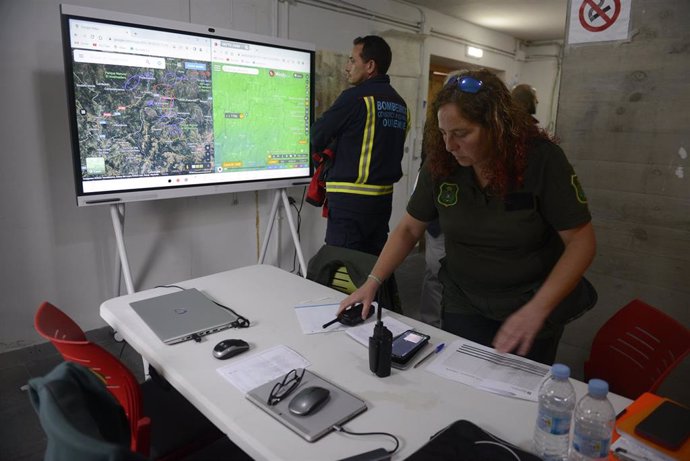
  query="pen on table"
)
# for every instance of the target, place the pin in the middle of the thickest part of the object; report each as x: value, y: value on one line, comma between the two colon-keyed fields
x: 438, y: 349
x: 625, y: 455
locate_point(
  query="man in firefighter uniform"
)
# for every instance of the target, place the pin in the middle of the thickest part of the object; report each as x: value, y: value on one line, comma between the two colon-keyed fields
x: 366, y: 128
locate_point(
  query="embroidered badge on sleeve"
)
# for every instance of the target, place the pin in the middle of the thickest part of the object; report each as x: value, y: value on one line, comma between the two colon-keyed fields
x: 579, y: 193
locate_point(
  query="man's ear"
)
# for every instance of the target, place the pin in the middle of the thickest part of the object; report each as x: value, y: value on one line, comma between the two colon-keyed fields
x: 371, y: 67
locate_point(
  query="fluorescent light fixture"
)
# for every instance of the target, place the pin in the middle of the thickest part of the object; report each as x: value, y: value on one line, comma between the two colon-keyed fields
x: 475, y: 52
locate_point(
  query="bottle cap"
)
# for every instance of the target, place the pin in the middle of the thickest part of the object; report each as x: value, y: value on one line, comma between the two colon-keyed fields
x: 598, y: 388
x: 560, y: 371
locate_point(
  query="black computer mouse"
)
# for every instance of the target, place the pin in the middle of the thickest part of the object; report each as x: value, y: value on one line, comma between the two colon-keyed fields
x: 308, y: 400
x: 229, y: 348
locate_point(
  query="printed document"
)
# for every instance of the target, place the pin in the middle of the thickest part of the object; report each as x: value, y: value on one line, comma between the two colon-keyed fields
x: 262, y: 367
x: 484, y: 368
x: 313, y: 314
x: 363, y: 331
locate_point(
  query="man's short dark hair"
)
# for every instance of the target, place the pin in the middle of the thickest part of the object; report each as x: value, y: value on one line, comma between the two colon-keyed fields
x: 374, y: 48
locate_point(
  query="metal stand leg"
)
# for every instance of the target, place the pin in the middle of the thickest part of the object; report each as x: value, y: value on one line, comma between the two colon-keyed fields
x: 281, y: 194
x: 117, y: 213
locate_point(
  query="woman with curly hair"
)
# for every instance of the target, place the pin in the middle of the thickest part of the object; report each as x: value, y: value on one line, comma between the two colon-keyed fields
x: 517, y: 227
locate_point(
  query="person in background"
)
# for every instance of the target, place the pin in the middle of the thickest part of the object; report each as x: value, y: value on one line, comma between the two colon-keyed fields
x: 517, y: 228
x: 434, y: 252
x: 366, y: 128
x: 525, y: 96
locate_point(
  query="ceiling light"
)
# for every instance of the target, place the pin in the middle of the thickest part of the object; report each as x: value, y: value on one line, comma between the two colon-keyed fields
x: 475, y: 52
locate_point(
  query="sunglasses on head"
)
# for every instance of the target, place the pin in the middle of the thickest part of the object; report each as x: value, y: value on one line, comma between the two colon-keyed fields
x: 466, y: 84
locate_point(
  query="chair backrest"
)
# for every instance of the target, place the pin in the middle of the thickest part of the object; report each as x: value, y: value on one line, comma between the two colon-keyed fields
x: 70, y: 340
x: 81, y: 419
x: 345, y: 269
x: 342, y: 281
x: 636, y: 349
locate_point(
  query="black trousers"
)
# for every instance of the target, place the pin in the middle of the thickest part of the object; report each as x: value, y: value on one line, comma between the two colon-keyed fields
x: 360, y: 231
x: 482, y: 330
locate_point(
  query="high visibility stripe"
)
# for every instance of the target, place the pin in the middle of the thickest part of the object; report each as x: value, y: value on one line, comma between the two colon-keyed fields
x: 367, y: 141
x: 408, y: 117
x: 361, y: 189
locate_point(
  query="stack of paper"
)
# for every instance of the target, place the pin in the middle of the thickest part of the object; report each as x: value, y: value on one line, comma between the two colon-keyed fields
x: 263, y: 366
x: 484, y: 368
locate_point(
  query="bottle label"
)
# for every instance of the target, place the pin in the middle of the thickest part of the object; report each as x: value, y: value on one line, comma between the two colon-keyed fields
x: 552, y: 424
x: 591, y: 447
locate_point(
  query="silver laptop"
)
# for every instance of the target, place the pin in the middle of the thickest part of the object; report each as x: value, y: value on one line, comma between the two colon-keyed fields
x: 341, y: 407
x: 183, y: 315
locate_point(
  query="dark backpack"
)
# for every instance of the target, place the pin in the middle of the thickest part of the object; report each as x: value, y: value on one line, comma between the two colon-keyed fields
x: 465, y: 441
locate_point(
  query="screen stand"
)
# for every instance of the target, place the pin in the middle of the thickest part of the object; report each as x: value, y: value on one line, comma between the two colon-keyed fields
x: 117, y: 213
x: 281, y: 194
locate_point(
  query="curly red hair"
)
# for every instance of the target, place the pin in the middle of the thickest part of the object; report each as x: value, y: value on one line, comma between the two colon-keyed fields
x: 510, y: 131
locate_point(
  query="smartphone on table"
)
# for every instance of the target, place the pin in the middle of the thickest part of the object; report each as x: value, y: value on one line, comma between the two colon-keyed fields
x: 406, y: 346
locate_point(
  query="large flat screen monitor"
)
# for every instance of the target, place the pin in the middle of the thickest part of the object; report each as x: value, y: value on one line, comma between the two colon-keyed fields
x: 162, y: 109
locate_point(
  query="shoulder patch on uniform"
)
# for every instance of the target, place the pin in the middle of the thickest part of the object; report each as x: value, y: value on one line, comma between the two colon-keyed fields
x: 448, y: 194
x: 579, y: 193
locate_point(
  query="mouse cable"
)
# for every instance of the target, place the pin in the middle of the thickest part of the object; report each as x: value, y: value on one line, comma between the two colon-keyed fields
x: 241, y: 322
x: 390, y: 452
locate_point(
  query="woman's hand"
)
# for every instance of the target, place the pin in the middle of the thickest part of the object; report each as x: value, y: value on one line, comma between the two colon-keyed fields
x: 364, y: 294
x: 519, y: 330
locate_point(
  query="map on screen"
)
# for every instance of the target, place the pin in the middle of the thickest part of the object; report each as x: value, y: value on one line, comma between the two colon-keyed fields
x: 155, y: 109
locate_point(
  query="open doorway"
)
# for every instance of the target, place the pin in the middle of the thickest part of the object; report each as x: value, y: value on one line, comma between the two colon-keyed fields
x: 440, y: 67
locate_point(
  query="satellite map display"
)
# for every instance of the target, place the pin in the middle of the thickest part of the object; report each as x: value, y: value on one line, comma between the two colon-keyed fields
x: 174, y: 110
x: 246, y: 120
x: 144, y: 121
x: 135, y: 122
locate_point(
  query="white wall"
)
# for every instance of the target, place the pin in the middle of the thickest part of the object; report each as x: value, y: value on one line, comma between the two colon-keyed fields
x: 52, y: 250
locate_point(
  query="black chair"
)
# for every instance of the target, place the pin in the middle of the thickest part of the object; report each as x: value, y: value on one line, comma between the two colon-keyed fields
x: 344, y: 270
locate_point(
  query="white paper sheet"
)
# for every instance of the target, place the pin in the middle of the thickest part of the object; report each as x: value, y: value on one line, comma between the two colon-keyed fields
x: 484, y: 368
x: 312, y: 314
x: 262, y: 367
x: 636, y: 450
x: 312, y: 317
x: 361, y: 333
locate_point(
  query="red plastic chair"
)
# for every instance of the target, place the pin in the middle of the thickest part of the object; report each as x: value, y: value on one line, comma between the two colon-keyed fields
x: 188, y: 429
x: 636, y: 349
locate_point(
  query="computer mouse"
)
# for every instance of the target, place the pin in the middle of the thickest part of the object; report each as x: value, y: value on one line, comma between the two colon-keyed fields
x: 308, y: 400
x: 229, y: 348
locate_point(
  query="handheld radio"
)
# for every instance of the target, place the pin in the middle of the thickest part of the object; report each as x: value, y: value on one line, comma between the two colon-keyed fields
x: 380, y: 349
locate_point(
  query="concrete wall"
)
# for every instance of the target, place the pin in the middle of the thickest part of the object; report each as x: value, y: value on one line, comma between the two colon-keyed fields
x: 624, y: 122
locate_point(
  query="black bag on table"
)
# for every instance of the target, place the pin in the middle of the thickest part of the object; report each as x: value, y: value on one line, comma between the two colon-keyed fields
x: 465, y: 441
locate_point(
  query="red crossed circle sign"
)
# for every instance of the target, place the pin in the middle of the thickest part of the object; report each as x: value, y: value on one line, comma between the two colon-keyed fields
x: 596, y: 15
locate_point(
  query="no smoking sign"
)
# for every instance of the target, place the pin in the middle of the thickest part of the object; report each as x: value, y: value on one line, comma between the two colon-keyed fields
x: 598, y: 20
x: 598, y: 15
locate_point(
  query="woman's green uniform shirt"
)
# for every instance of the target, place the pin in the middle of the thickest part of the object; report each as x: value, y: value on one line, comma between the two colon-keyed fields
x: 501, y: 247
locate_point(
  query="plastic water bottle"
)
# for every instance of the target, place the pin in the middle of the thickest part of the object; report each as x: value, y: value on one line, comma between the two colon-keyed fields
x: 594, y: 421
x: 556, y: 403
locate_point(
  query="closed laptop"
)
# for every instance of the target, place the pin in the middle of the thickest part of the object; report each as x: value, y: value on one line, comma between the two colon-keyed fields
x: 183, y: 315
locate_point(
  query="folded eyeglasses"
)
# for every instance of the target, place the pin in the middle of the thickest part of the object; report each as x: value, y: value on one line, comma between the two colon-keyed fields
x: 285, y: 387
